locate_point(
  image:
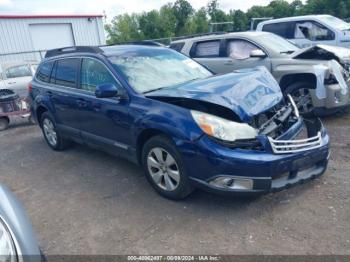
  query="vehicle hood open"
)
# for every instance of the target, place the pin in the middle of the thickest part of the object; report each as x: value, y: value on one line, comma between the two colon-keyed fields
x: 246, y: 92
x: 324, y: 52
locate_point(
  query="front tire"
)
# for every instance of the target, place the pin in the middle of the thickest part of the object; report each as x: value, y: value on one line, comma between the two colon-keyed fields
x: 164, y: 168
x: 300, y: 93
x: 51, y: 134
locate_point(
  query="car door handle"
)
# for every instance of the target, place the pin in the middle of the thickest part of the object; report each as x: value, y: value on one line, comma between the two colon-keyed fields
x: 11, y: 83
x: 49, y: 93
x: 81, y: 103
x: 230, y: 62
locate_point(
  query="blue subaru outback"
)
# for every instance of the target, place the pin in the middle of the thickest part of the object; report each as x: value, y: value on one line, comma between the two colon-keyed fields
x: 232, y: 133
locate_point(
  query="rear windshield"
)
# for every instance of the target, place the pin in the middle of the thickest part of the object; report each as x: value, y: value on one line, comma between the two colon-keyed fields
x: 156, y: 68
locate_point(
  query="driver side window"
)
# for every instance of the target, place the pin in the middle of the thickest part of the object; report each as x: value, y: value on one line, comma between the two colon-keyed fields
x: 313, y: 31
x: 240, y: 49
x: 94, y: 73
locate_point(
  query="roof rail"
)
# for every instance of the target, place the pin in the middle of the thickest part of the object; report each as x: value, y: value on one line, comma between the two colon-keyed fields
x: 198, y: 35
x: 73, y: 49
x: 142, y: 42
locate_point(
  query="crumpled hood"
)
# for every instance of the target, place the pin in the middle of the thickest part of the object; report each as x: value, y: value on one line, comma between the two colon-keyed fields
x: 312, y: 52
x: 247, y: 92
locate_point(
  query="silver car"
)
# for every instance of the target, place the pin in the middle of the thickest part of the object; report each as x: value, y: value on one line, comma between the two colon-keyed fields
x: 317, y: 77
x: 17, y: 239
x: 16, y: 76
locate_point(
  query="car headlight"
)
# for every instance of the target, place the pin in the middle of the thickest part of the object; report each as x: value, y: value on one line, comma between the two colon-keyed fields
x: 7, y: 248
x: 222, y: 128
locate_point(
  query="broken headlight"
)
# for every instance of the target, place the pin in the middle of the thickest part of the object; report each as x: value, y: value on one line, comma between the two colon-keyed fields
x: 222, y: 128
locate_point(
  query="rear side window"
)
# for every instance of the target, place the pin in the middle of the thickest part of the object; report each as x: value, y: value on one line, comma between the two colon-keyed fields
x: 67, y: 72
x: 285, y: 29
x: 94, y: 73
x: 207, y: 49
x: 18, y: 71
x: 44, y: 71
x: 177, y: 46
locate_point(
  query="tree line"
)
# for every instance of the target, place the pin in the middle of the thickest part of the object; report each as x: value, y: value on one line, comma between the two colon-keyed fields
x: 180, y: 18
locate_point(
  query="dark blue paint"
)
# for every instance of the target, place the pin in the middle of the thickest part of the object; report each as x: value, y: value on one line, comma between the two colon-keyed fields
x: 247, y: 92
x: 115, y: 124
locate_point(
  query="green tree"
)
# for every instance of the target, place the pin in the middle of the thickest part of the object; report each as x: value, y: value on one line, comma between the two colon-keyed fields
x: 123, y: 28
x: 182, y: 11
x: 180, y: 18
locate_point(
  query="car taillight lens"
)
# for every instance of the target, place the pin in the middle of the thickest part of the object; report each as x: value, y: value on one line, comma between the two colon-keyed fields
x: 30, y: 87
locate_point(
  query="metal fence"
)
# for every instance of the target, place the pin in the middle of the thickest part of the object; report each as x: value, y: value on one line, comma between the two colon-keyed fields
x: 23, y: 56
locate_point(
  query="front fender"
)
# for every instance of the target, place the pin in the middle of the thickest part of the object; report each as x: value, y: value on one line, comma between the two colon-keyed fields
x: 174, y: 121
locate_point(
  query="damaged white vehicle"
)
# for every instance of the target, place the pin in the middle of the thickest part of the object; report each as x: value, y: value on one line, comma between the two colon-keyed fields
x: 317, y: 77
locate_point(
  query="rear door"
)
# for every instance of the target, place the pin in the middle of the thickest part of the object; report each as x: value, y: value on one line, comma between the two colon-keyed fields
x: 209, y: 54
x: 64, y: 94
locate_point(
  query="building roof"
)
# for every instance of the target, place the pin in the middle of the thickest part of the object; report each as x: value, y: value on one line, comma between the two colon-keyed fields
x: 47, y: 16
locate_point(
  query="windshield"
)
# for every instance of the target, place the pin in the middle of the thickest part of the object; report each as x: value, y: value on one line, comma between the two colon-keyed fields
x: 335, y: 22
x: 277, y: 43
x: 149, y: 69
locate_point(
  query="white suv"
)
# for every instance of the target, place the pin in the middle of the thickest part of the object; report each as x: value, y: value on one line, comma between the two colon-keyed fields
x: 309, y: 30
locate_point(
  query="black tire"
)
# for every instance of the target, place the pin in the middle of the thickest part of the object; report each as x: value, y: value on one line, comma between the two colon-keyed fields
x: 4, y: 123
x: 61, y: 143
x: 297, y: 90
x: 183, y: 188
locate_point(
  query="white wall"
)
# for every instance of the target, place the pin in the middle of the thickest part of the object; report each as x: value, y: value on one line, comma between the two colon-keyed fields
x: 16, y: 35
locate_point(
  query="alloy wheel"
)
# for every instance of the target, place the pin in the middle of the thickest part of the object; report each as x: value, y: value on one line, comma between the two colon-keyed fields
x: 49, y: 131
x: 163, y: 169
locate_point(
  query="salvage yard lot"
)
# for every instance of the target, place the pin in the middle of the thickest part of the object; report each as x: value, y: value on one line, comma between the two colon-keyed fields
x: 82, y: 201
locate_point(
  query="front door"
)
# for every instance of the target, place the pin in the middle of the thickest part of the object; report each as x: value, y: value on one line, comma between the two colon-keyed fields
x: 237, y: 55
x: 104, y: 122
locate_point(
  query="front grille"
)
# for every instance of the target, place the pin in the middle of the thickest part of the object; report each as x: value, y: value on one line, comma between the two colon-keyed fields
x: 294, y: 146
x: 276, y: 121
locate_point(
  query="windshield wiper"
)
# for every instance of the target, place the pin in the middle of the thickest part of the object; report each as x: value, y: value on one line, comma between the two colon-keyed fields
x: 149, y: 91
x: 159, y: 88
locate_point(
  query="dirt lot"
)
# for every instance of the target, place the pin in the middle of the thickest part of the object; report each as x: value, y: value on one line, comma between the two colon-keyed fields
x: 83, y: 201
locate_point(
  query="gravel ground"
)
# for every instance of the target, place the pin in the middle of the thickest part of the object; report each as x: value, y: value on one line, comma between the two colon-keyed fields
x: 83, y: 201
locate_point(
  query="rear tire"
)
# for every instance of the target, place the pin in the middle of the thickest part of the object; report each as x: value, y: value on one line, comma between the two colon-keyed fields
x: 300, y: 92
x: 4, y: 123
x: 164, y: 169
x: 51, y: 134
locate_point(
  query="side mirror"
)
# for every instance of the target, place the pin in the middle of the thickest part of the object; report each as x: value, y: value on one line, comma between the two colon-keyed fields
x: 257, y: 53
x: 107, y: 90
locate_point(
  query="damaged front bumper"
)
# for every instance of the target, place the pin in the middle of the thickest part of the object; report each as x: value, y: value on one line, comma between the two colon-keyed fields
x: 280, y: 163
x: 333, y: 88
x: 335, y: 98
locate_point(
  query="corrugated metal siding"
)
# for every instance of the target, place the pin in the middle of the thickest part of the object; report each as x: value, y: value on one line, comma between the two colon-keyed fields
x: 15, y: 35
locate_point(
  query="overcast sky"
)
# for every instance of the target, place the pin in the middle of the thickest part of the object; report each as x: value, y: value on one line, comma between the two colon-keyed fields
x: 111, y: 7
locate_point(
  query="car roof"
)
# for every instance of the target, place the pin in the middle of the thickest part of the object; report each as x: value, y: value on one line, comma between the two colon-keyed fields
x: 117, y: 50
x: 107, y: 51
x: 247, y: 34
x: 292, y: 18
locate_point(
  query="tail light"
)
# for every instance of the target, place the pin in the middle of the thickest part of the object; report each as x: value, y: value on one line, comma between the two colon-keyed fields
x: 30, y: 87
